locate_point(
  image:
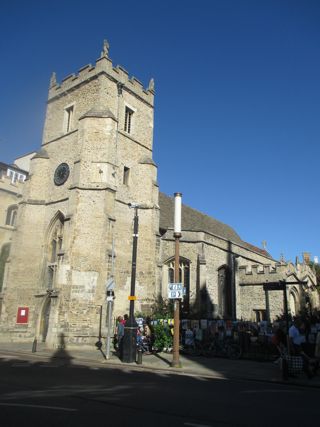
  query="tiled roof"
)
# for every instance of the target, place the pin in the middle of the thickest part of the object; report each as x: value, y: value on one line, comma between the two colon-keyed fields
x: 5, y: 167
x: 194, y: 220
x: 256, y: 249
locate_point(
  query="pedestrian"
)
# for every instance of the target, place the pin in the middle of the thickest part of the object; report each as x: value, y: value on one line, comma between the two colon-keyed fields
x: 297, y: 339
x: 120, y: 334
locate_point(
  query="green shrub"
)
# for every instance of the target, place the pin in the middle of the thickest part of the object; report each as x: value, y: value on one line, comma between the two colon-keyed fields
x: 163, y: 337
x: 162, y: 308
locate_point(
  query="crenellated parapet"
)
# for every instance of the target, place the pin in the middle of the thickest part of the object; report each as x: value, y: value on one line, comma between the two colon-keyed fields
x: 259, y: 274
x: 256, y: 274
x: 103, y: 65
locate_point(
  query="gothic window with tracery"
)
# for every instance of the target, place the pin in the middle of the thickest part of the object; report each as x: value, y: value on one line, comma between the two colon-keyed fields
x: 184, y: 277
x: 54, y: 251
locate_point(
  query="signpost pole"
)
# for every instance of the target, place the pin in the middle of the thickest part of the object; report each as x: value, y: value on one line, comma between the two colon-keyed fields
x: 266, y: 293
x: 285, y: 306
x: 110, y: 297
x: 130, y: 329
x: 177, y: 236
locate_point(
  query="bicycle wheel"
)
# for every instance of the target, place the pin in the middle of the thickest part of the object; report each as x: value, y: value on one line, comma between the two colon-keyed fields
x: 234, y: 351
x: 209, y: 350
x: 191, y: 350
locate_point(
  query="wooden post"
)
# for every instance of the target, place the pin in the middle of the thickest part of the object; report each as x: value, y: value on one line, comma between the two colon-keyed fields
x: 176, y: 326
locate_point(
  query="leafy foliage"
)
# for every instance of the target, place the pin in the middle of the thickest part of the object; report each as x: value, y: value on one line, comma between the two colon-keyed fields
x: 162, y: 308
x: 163, y: 337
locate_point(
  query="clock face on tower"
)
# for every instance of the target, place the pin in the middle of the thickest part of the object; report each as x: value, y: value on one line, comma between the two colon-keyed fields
x: 61, y: 174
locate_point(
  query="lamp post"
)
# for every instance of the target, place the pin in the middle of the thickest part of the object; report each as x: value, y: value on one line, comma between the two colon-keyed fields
x: 110, y: 298
x: 130, y: 329
x: 177, y: 235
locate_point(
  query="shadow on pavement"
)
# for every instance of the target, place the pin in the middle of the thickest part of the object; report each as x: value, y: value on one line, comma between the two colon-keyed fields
x: 61, y: 352
x: 159, y: 398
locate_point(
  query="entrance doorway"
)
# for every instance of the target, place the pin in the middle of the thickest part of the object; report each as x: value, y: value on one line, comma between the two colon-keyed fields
x: 45, y: 317
x: 293, y: 304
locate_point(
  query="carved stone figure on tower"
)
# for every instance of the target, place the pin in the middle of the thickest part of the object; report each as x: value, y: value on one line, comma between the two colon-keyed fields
x: 53, y: 80
x: 151, y: 85
x: 105, y: 51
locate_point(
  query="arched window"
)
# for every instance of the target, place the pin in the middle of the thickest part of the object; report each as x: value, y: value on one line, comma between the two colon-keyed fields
x: 293, y: 302
x: 54, y: 249
x: 12, y: 215
x: 184, y: 277
x: 224, y: 292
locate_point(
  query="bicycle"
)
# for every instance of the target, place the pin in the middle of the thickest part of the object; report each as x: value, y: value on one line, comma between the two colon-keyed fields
x: 194, y: 348
x: 144, y: 345
x: 222, y: 348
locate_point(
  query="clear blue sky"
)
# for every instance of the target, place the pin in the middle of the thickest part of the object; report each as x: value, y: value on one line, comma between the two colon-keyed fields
x: 237, y: 103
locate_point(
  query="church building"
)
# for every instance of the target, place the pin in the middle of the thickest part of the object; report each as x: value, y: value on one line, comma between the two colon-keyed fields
x: 73, y: 227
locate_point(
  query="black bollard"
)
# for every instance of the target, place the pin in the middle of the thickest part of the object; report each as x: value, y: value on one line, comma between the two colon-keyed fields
x: 34, y: 345
x: 139, y: 356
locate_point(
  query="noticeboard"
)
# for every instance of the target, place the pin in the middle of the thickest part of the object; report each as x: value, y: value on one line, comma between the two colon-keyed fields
x: 23, y: 315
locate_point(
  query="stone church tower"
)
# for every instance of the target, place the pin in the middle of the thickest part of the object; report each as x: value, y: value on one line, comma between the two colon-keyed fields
x: 74, y: 222
x: 74, y: 226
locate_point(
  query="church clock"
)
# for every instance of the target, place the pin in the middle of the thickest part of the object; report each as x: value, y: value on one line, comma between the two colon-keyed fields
x: 61, y: 174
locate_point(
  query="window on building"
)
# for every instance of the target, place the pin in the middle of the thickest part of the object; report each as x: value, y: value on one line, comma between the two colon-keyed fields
x: 12, y: 215
x: 224, y: 292
x: 128, y: 120
x: 15, y: 176
x: 69, y: 118
x: 126, y: 172
x: 260, y: 315
x: 54, y: 250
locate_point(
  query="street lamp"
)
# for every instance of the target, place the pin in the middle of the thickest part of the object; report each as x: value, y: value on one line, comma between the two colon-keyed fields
x: 110, y: 298
x: 177, y: 235
x: 130, y: 328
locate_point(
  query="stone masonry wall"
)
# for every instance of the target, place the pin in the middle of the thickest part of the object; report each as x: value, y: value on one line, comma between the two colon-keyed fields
x: 92, y: 205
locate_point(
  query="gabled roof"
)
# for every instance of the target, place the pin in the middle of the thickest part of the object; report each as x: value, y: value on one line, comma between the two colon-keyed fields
x: 256, y: 249
x: 5, y: 167
x: 193, y: 220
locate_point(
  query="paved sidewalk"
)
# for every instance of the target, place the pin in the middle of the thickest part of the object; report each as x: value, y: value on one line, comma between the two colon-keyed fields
x: 199, y: 366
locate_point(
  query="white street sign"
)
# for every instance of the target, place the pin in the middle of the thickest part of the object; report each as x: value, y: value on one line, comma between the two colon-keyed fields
x: 175, y: 295
x: 110, y: 284
x: 176, y: 290
x: 175, y: 286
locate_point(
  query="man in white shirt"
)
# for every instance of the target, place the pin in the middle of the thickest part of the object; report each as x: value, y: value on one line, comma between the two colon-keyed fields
x: 295, y: 337
x: 296, y: 340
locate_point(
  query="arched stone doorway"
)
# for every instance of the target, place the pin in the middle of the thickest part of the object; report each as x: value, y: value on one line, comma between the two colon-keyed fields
x: 44, y: 320
x: 293, y: 303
